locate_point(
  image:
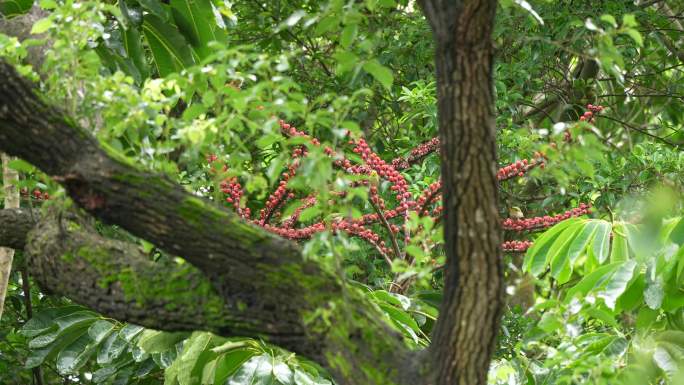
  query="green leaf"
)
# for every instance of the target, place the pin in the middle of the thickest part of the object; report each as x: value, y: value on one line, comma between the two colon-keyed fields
x: 75, y: 355
x: 633, y: 295
x: 550, y: 322
x: 381, y: 73
x: 400, y: 316
x: 44, y: 340
x: 346, y: 61
x: 153, y: 341
x: 536, y: 258
x: 37, y: 357
x: 74, y: 320
x: 558, y: 253
x: 209, y: 371
x: 618, y: 283
x: 111, y: 349
x: 192, y: 351
x: 41, y: 26
x: 598, y: 313
x: 303, y: 378
x: 129, y: 331
x: 42, y: 322
x: 636, y: 36
x: 348, y: 35
x: 230, y: 362
x: 645, y: 318
x: 156, y: 8
x: 601, y: 241
x: 258, y: 370
x: 594, y: 280
x: 170, y: 50
x: 309, y: 213
x: 195, y: 20
x: 610, y: 20
x: 12, y: 8
x: 677, y: 234
x: 132, y: 43
x: 268, y: 139
x: 99, y: 330
x: 620, y: 247
x: 628, y: 20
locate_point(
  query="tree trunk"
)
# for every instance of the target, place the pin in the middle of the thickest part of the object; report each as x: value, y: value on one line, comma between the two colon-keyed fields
x: 9, y: 177
x: 465, y: 335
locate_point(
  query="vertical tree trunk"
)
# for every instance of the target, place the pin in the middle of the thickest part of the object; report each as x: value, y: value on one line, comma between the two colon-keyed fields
x: 465, y: 335
x: 9, y: 176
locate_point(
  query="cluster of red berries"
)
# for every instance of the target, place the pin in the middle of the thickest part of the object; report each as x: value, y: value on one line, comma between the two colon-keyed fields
x: 588, y: 116
x: 375, y: 198
x: 308, y: 202
x: 516, y: 246
x: 430, y: 195
x: 276, y: 198
x: 418, y: 153
x: 520, y: 167
x: 233, y: 189
x: 291, y: 130
x: 426, y: 204
x: 527, y: 224
x: 384, y: 170
x: 36, y: 194
x: 362, y: 232
x: 296, y: 234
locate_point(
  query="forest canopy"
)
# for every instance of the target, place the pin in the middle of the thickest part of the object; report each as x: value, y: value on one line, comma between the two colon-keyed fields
x: 375, y: 192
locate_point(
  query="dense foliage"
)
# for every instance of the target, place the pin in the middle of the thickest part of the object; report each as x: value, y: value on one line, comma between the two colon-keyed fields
x: 317, y: 121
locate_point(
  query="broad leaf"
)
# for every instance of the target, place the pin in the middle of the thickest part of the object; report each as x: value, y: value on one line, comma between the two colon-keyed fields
x: 618, y: 283
x: 169, y: 48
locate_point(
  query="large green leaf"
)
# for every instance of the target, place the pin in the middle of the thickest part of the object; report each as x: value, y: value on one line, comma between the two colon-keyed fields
x: 153, y: 341
x: 595, y: 279
x: 156, y: 8
x: 620, y: 248
x: 303, y: 378
x: 381, y: 73
x: 170, y: 50
x: 229, y: 363
x: 601, y: 242
x: 196, y: 20
x: 618, y: 283
x: 11, y: 8
x: 677, y: 234
x: 558, y: 253
x: 536, y: 258
x: 75, y: 355
x: 262, y: 370
x: 576, y: 248
x: 111, y: 349
x: 193, y: 358
x: 100, y: 330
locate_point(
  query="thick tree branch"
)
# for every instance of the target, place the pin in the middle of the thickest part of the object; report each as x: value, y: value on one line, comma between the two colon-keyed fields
x: 117, y: 279
x: 14, y: 226
x: 266, y: 286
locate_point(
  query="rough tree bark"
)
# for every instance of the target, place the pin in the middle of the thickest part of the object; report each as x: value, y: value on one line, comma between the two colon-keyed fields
x: 11, y: 201
x: 249, y: 282
x: 465, y: 335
